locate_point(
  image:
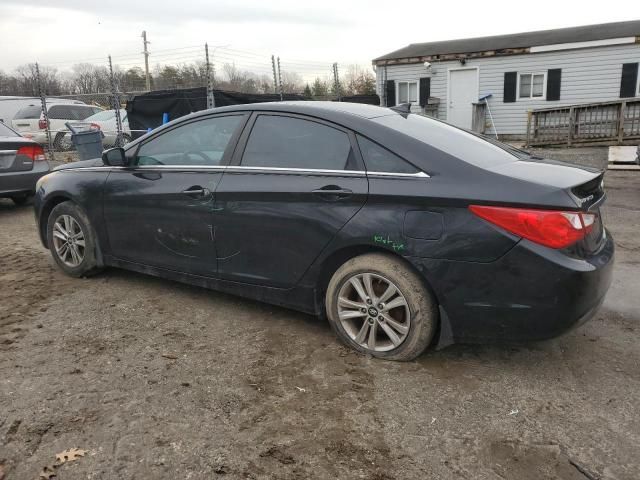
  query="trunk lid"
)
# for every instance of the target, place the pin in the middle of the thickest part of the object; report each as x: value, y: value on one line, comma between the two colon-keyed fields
x: 583, y: 185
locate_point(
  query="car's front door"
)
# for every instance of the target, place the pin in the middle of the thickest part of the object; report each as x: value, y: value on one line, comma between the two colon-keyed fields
x: 292, y: 185
x: 158, y: 211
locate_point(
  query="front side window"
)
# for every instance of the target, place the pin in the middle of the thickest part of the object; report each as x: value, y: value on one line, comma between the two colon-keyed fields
x: 287, y: 142
x: 59, y: 112
x: 379, y: 159
x: 531, y: 85
x: 202, y: 142
x: 407, y: 92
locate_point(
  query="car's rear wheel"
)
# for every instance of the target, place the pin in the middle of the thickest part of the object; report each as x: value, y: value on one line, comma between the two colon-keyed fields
x: 379, y: 306
x: 71, y: 240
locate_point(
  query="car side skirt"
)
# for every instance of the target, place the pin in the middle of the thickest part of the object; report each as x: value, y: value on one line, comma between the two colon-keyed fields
x: 297, y: 298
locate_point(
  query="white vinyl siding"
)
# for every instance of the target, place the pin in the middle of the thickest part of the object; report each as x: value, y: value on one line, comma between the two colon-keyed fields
x: 588, y: 75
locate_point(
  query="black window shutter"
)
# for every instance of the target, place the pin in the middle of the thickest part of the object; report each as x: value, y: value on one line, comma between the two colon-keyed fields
x: 554, y: 79
x: 629, y: 80
x: 510, y: 80
x: 391, y: 93
x: 425, y: 91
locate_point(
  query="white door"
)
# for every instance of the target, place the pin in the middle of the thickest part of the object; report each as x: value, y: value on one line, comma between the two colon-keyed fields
x: 463, y: 92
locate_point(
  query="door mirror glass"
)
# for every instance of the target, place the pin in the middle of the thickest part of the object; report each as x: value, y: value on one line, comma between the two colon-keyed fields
x: 114, y: 157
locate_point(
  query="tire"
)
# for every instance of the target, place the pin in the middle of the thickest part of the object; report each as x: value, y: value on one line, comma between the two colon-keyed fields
x: 72, y: 219
x: 21, y: 199
x: 58, y: 145
x: 413, y: 318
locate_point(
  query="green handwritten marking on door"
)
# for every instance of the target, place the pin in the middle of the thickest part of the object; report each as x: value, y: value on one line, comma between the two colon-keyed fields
x: 388, y: 242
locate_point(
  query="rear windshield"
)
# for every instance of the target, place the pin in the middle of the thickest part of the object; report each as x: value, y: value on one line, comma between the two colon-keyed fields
x: 32, y: 111
x: 6, y: 131
x: 464, y: 145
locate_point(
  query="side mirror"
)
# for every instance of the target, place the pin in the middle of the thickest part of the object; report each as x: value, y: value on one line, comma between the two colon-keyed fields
x: 114, y: 157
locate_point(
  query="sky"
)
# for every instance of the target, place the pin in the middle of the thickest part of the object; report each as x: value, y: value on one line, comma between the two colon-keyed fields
x: 306, y: 35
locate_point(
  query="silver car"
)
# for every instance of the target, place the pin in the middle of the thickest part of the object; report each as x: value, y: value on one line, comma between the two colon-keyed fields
x: 22, y: 163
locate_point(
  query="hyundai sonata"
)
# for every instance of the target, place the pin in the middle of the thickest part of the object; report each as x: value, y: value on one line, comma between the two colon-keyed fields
x: 405, y: 232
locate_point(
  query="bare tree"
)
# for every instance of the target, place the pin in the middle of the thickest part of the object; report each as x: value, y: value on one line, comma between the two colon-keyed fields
x: 27, y: 84
x: 292, y: 82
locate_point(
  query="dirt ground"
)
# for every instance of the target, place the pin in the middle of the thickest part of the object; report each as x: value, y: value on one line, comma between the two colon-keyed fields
x: 160, y: 380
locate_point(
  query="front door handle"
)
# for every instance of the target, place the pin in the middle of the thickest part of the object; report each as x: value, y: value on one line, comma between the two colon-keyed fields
x: 332, y: 192
x: 197, y: 192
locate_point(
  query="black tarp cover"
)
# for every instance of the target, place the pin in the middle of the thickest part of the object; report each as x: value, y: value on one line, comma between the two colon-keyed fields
x: 145, y: 111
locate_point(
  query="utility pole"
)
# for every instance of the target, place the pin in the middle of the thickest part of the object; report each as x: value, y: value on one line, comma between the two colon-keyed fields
x: 146, y: 59
x: 45, y: 115
x: 275, y: 78
x: 280, y: 79
x: 211, y: 101
x: 336, y: 82
x: 116, y: 104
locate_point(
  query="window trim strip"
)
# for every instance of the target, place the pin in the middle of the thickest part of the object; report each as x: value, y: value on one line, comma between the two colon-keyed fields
x: 241, y: 169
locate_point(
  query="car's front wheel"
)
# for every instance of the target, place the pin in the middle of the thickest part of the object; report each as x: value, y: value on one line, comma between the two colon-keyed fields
x: 379, y: 306
x: 71, y: 240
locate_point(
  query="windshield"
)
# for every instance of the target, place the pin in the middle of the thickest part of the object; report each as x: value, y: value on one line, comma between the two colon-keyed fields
x: 464, y: 145
x: 6, y: 131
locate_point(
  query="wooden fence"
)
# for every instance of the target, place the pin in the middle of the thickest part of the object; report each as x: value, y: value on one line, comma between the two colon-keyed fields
x: 606, y: 123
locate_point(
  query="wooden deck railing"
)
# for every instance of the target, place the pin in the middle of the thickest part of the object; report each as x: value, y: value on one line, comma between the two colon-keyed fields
x: 608, y: 123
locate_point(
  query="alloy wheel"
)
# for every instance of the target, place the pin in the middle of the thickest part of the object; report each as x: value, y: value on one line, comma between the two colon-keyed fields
x: 68, y: 240
x: 374, y: 312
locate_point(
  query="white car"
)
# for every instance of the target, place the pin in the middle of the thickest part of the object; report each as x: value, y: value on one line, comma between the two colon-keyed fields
x: 104, y: 121
x: 30, y: 123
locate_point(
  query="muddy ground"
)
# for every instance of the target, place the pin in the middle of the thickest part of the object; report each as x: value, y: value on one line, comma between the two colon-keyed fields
x: 160, y: 380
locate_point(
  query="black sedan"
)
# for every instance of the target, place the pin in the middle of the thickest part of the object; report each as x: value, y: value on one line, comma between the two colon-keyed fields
x: 22, y: 163
x: 403, y: 231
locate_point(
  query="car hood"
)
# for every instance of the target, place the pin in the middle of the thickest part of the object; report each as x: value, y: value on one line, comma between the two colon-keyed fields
x: 547, y: 172
x: 93, y: 162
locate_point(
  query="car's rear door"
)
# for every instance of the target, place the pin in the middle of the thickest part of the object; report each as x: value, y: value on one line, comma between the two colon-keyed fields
x: 158, y: 212
x: 293, y: 184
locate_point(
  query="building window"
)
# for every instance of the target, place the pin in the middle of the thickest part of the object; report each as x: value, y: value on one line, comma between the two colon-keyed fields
x: 531, y: 85
x: 407, y: 92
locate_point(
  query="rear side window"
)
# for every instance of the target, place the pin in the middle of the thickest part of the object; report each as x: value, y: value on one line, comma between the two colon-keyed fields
x: 449, y: 139
x: 379, y: 159
x: 287, y: 142
x: 197, y: 143
x: 59, y: 112
x: 29, y: 112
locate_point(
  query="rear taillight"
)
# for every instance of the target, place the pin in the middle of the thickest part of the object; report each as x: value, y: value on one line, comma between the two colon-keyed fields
x: 94, y: 126
x: 42, y: 124
x: 34, y: 152
x: 552, y: 228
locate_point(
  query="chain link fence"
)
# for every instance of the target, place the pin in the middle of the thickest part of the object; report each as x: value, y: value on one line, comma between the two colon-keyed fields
x: 96, y: 95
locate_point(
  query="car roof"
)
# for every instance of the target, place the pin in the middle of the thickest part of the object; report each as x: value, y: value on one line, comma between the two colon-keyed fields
x: 309, y: 108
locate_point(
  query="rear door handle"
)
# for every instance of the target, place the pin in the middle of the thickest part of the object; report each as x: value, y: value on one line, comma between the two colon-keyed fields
x: 332, y: 192
x: 197, y: 192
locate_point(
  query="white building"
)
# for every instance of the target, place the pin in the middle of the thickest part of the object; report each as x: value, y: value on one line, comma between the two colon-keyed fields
x: 519, y: 72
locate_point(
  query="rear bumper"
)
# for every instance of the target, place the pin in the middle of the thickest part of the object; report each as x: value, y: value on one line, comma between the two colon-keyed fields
x: 531, y: 293
x: 17, y: 183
